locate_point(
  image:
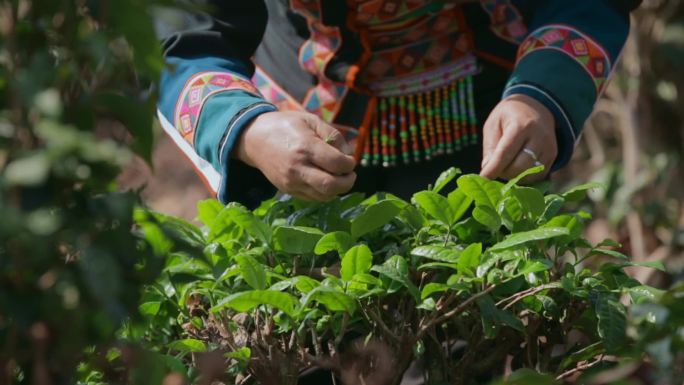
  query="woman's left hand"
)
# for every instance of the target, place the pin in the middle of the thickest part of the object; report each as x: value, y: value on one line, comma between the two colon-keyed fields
x: 519, y: 134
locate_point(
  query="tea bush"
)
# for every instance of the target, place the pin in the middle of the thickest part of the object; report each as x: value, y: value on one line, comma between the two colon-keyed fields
x: 467, y: 286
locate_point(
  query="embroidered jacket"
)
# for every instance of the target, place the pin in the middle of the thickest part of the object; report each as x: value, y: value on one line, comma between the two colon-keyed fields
x: 379, y: 68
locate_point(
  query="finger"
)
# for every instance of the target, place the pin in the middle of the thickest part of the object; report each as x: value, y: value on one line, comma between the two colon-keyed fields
x: 325, y: 186
x: 323, y: 156
x: 330, y: 135
x: 506, y: 150
x: 491, y: 134
x: 524, y: 161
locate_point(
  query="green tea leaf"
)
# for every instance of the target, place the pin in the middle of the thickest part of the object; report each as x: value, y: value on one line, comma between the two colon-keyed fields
x: 149, y: 309
x: 612, y: 322
x: 531, y: 200
x: 252, y: 271
x: 432, y: 288
x: 513, y: 182
x: 374, y: 217
x: 610, y: 253
x: 437, y: 253
x: 483, y: 191
x: 578, y: 193
x: 488, y: 217
x: 305, y: 284
x: 460, y: 203
x: 493, y: 318
x: 570, y: 222
x: 333, y: 299
x: 357, y: 260
x: 435, y: 205
x: 208, y: 210
x: 396, y: 269
x: 536, y: 266
x: 521, y: 238
x: 296, y: 239
x: 248, y: 300
x: 552, y: 205
x: 339, y: 241
x: 444, y: 178
x: 188, y: 346
x: 254, y: 226
x: 243, y: 354
x: 470, y: 259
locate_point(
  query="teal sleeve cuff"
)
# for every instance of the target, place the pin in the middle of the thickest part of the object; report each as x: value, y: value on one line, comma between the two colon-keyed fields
x: 221, y: 122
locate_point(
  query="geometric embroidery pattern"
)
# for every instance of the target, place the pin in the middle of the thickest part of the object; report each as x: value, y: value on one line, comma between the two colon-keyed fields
x: 272, y: 92
x: 506, y: 21
x: 197, y: 89
x: 585, y: 51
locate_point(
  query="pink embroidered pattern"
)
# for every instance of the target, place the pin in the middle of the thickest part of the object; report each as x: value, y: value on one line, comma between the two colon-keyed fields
x: 506, y: 21
x: 272, y: 92
x: 196, y: 91
x: 585, y: 51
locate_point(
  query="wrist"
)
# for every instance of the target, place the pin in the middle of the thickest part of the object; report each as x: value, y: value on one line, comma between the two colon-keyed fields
x: 242, y: 150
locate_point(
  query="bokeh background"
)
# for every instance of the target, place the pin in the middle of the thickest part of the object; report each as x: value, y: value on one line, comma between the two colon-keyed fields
x: 633, y: 144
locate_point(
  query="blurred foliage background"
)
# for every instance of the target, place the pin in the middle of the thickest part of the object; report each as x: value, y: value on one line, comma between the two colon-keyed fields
x: 634, y: 144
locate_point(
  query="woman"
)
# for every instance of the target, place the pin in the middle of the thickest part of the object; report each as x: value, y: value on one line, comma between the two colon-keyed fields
x: 318, y: 97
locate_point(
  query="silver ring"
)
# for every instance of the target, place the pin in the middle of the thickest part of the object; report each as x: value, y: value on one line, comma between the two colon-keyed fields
x: 533, y: 155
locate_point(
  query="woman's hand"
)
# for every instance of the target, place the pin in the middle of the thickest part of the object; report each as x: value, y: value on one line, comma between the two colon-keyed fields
x: 299, y: 153
x: 517, y: 131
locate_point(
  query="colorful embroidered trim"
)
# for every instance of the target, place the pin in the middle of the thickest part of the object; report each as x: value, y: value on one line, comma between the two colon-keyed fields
x: 422, y: 125
x: 506, y: 21
x: 427, y: 80
x: 196, y: 91
x: 588, y: 53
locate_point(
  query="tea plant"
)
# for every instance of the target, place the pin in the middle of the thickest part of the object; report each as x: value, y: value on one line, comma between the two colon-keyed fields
x: 466, y: 285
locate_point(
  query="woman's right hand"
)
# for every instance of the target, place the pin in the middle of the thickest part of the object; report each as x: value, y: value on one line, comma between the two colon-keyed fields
x: 299, y: 153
